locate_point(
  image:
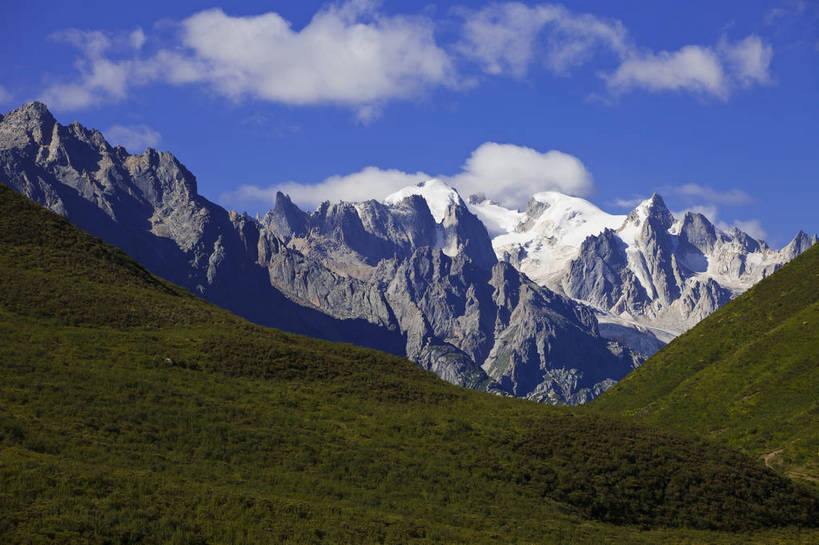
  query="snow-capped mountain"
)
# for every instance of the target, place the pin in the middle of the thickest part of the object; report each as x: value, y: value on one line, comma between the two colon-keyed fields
x: 423, y: 273
x: 415, y: 275
x: 541, y: 240
x: 353, y: 237
x: 646, y: 269
x: 433, y: 261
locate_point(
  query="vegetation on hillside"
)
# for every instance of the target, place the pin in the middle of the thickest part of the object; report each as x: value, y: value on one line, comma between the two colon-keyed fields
x: 133, y: 412
x: 747, y: 376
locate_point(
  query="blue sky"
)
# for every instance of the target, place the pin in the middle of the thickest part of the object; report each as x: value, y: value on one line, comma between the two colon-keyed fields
x: 713, y: 104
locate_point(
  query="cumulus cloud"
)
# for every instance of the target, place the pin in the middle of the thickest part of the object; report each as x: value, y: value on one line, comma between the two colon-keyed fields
x: 691, y: 68
x: 348, y: 54
x: 100, y: 78
x: 752, y: 227
x: 711, y: 210
x: 511, y: 174
x: 505, y: 173
x: 335, y: 58
x: 508, y: 38
x: 368, y: 183
x: 502, y: 38
x: 134, y: 138
x: 354, y: 55
x: 715, y: 71
x: 748, y: 60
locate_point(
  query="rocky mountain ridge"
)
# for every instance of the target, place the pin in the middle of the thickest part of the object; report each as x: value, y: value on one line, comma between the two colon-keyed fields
x: 386, y: 275
x: 646, y: 270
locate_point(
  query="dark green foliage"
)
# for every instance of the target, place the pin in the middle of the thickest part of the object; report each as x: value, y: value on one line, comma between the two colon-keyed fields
x: 133, y: 412
x: 746, y: 376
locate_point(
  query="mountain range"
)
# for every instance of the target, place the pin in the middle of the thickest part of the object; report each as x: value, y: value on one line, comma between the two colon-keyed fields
x: 135, y: 412
x: 557, y: 304
x: 646, y: 268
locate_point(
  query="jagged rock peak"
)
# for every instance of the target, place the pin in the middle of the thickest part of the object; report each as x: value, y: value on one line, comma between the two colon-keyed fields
x: 286, y: 219
x: 33, y: 110
x: 654, y: 210
x: 698, y: 231
x: 30, y: 123
x: 656, y: 202
x: 801, y: 242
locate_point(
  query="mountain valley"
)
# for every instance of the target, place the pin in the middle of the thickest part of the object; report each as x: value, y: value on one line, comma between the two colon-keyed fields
x: 144, y: 414
x: 417, y: 275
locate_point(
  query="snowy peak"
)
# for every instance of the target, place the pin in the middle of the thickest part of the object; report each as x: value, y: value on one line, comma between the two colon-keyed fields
x: 438, y: 195
x: 543, y: 239
x: 653, y: 210
x: 458, y: 230
x: 353, y: 237
x: 567, y: 219
x: 644, y: 268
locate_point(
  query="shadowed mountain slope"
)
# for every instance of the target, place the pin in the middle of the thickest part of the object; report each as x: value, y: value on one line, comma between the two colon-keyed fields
x: 474, y: 322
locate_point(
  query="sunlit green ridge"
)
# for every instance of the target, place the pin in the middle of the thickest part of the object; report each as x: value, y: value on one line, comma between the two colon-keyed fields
x: 746, y: 376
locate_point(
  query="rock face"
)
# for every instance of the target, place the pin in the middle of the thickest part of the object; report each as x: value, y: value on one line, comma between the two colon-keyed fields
x: 415, y: 275
x: 650, y: 276
x: 148, y: 205
x: 353, y: 238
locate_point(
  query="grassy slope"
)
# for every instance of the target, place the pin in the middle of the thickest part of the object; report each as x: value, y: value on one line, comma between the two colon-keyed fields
x: 131, y: 411
x: 746, y: 376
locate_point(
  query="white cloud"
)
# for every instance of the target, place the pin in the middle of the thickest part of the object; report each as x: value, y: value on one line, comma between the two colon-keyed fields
x: 348, y: 54
x: 135, y: 138
x: 5, y: 96
x: 502, y: 172
x: 710, y: 211
x: 100, y: 78
x: 692, y: 68
x: 355, y: 55
x: 511, y: 174
x: 704, y: 70
x: 507, y: 38
x: 368, y: 183
x: 748, y: 60
x: 503, y: 38
x: 137, y: 38
x: 628, y: 204
x: 752, y: 227
x: 733, y: 197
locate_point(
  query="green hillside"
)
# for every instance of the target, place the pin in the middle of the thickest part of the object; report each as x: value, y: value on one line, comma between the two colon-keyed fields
x: 133, y: 412
x: 747, y: 376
